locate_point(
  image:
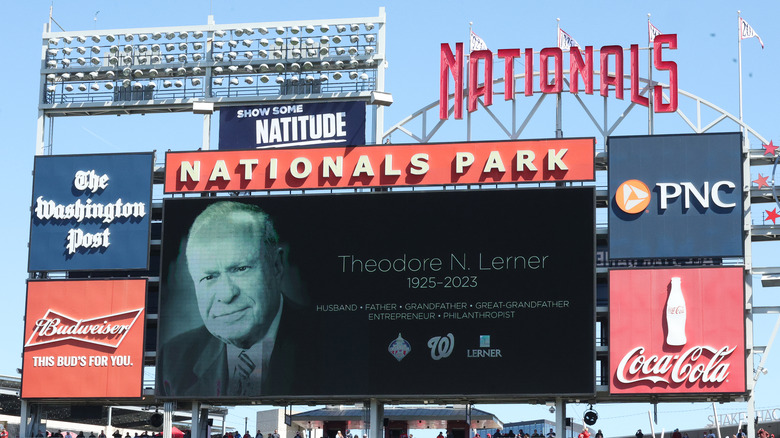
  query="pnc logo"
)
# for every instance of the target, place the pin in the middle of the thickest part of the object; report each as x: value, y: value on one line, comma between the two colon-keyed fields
x: 632, y: 196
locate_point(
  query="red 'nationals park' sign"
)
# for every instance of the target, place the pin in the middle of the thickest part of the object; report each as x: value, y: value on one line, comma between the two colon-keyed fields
x: 494, y: 162
x: 676, y: 331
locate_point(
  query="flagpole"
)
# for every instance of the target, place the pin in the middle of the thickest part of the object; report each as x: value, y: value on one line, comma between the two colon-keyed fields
x: 739, y: 44
x: 558, y: 103
x: 650, y: 80
x: 751, y: 402
x: 467, y: 66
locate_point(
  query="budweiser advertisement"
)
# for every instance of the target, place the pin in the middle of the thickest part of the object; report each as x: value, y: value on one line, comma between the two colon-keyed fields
x: 494, y: 162
x: 84, y: 339
x: 677, y: 331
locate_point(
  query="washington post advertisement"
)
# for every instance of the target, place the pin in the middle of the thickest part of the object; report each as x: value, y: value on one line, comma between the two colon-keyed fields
x: 292, y: 125
x: 91, y: 212
x: 420, y: 293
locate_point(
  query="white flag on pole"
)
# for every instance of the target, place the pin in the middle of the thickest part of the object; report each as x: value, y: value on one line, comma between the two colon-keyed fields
x: 477, y: 43
x: 746, y: 31
x: 652, y: 31
x: 565, y: 41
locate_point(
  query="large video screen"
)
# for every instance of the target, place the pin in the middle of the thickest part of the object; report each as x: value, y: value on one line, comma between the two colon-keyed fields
x: 487, y: 294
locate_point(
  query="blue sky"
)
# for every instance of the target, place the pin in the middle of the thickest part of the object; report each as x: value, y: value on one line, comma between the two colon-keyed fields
x: 706, y: 58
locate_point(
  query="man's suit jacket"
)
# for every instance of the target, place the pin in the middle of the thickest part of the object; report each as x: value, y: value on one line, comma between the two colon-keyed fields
x: 194, y: 364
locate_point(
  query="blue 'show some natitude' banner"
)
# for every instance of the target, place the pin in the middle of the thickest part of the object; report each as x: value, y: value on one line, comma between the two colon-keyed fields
x: 292, y: 125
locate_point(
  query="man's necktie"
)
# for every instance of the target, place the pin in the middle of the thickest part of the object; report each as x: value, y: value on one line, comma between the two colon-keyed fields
x: 244, y: 369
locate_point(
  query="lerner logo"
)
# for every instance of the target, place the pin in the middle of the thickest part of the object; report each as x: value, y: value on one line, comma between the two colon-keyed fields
x: 484, y: 349
x: 633, y: 196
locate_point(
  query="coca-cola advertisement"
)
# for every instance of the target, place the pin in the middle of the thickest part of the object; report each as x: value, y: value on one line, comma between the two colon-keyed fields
x: 676, y: 331
x: 84, y: 338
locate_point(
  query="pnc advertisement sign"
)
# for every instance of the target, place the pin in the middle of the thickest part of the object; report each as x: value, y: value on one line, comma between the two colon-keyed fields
x: 292, y: 125
x: 674, y: 196
x: 492, y: 162
x: 422, y: 293
x: 84, y: 338
x: 91, y: 212
x: 677, y: 331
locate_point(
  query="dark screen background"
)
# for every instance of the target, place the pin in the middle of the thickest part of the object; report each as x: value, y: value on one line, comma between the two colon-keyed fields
x: 541, y: 350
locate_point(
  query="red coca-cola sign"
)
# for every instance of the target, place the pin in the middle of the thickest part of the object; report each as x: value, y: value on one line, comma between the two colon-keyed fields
x: 676, y: 331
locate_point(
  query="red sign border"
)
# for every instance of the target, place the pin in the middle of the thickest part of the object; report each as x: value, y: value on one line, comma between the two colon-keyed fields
x: 676, y: 393
x: 139, y: 395
x: 169, y: 187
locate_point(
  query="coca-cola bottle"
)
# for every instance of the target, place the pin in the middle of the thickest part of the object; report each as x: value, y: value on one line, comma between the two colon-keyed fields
x: 675, y: 315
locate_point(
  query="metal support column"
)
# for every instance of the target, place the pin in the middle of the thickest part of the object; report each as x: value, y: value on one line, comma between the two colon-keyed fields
x: 203, y: 423
x: 377, y: 417
x: 469, y: 432
x: 206, y: 132
x: 747, y: 226
x: 194, y: 424
x: 109, y: 432
x: 558, y: 116
x: 379, y: 112
x: 560, y: 418
x: 168, y: 408
x: 24, y: 415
